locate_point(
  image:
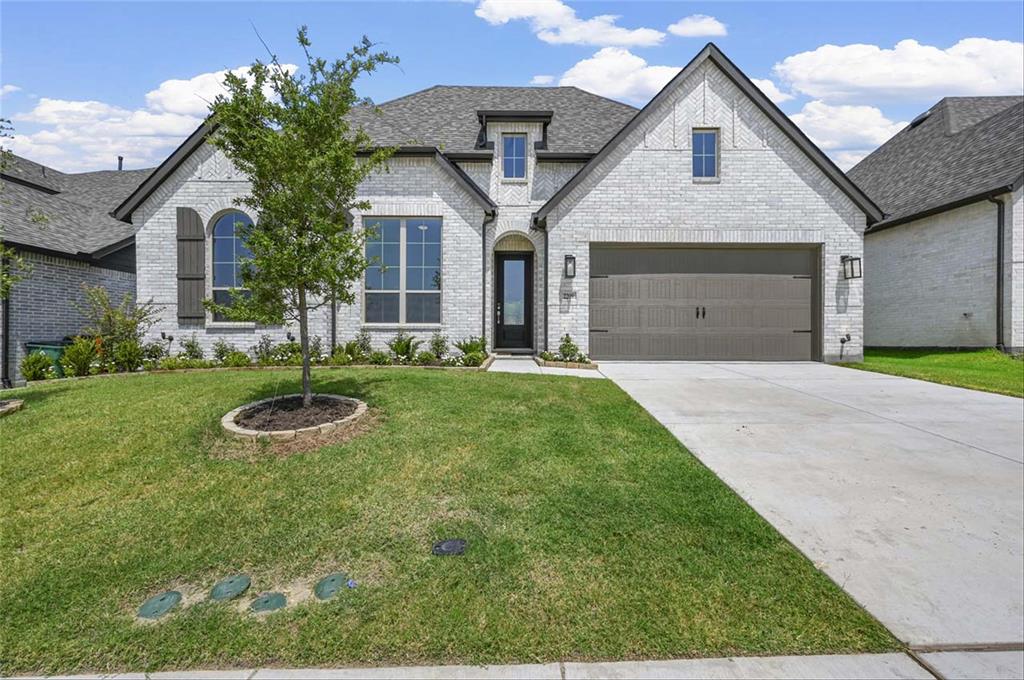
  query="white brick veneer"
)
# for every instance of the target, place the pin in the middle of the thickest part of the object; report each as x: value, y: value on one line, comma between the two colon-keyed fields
x: 769, y: 193
x: 932, y: 282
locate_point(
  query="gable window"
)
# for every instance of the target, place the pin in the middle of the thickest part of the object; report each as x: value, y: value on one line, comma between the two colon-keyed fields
x: 705, y: 154
x: 229, y: 251
x: 403, y: 281
x: 513, y: 156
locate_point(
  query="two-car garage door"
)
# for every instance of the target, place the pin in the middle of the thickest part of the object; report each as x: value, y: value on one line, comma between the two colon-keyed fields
x: 704, y: 304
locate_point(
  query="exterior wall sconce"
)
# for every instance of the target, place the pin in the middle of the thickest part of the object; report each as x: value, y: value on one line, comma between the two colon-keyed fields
x: 570, y: 266
x: 851, y: 267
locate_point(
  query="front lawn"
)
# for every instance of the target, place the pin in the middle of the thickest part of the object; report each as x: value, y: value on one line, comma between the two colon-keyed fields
x: 592, y: 533
x: 982, y: 369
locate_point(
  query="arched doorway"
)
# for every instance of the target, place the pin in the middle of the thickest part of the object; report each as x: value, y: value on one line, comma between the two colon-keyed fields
x: 513, y: 293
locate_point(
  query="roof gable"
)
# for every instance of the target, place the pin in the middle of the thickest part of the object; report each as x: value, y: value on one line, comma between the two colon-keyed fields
x: 958, y: 151
x: 777, y: 117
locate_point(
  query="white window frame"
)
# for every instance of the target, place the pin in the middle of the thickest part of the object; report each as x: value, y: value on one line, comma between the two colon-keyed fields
x: 402, y: 291
x: 718, y: 155
x: 526, y: 157
x: 211, y: 318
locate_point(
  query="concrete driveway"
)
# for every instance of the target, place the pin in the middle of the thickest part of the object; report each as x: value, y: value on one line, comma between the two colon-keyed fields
x: 910, y: 495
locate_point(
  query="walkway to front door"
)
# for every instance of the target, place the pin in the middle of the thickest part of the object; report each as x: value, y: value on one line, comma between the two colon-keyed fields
x: 513, y: 301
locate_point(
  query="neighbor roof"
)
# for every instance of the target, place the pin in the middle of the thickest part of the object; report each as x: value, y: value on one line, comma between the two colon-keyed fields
x: 713, y: 54
x: 960, y: 150
x: 67, y: 213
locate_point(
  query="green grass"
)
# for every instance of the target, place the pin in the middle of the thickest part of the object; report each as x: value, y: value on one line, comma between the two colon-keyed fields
x: 592, y: 533
x: 983, y: 369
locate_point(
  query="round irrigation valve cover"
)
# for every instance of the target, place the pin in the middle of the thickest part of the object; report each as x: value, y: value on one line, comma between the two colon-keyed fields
x: 231, y: 587
x: 158, y: 605
x: 450, y: 546
x: 267, y: 602
x: 328, y: 586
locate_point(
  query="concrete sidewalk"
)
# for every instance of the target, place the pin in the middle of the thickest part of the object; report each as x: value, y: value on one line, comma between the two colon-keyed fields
x: 526, y: 364
x: 879, y: 666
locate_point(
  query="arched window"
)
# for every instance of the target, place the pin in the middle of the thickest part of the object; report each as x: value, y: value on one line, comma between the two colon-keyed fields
x: 228, y: 252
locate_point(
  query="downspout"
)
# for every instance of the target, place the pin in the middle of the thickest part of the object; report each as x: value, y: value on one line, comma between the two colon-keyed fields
x: 1000, y: 218
x: 334, y: 323
x: 489, y: 217
x: 5, y: 372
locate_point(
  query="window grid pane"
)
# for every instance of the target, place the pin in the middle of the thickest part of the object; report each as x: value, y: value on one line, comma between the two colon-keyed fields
x: 421, y: 262
x: 228, y: 252
x: 514, y: 156
x: 705, y: 152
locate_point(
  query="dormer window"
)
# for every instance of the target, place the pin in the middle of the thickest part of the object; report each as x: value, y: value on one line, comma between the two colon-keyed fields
x: 513, y: 156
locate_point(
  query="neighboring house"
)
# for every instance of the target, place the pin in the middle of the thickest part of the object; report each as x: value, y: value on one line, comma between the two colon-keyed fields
x: 61, y: 226
x: 945, y: 268
x: 704, y: 226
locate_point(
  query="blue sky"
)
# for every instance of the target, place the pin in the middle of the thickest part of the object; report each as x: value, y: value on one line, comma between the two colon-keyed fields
x: 84, y: 82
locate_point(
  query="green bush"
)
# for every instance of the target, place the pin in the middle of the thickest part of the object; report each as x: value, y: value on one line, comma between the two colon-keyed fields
x: 379, y: 358
x: 426, y: 358
x: 263, y: 350
x: 221, y: 350
x: 403, y: 346
x: 287, y: 354
x: 236, y: 359
x: 439, y: 345
x: 569, y: 351
x: 78, y: 357
x: 352, y: 349
x: 154, y: 351
x: 316, y: 349
x: 179, y: 362
x: 37, y: 366
x: 340, y: 358
x: 128, y: 356
x: 473, y: 358
x: 112, y: 323
x: 190, y: 348
x: 548, y: 356
x: 363, y: 344
x: 472, y: 344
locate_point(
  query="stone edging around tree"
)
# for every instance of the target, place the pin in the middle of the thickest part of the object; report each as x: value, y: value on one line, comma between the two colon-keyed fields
x: 228, y: 421
x: 9, y: 406
x: 564, y: 364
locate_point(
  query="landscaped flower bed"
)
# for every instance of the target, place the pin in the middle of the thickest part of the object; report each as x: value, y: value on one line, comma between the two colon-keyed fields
x: 286, y: 418
x: 568, y: 356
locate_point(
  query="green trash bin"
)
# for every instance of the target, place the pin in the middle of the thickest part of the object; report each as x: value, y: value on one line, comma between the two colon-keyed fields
x: 53, y: 349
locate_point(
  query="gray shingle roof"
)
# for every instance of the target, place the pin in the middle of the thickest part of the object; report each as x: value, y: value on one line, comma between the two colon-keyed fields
x: 67, y: 213
x: 965, y: 147
x: 445, y: 116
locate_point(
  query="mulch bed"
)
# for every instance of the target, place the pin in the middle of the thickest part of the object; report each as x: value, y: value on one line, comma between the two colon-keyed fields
x: 287, y: 413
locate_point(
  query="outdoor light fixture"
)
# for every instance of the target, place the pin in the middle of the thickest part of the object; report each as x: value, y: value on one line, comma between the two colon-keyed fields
x: 570, y: 266
x: 851, y: 267
x: 291, y: 338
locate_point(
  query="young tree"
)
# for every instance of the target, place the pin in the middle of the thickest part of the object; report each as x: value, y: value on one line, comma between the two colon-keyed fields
x: 288, y: 133
x: 13, y: 267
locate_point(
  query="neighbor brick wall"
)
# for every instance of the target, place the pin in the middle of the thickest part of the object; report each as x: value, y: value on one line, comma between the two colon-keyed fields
x: 1014, y: 252
x: 932, y: 282
x: 46, y: 305
x: 769, y: 192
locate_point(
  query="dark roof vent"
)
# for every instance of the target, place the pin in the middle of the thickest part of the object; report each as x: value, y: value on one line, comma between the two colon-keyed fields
x: 920, y: 119
x: 120, y: 163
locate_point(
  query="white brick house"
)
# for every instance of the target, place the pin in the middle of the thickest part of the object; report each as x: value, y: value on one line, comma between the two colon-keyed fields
x: 524, y: 214
x: 945, y: 267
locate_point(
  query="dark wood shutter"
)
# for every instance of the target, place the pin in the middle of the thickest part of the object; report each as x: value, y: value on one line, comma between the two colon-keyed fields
x: 191, y: 267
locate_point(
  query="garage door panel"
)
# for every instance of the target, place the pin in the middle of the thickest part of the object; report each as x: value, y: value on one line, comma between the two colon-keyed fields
x: 702, y: 316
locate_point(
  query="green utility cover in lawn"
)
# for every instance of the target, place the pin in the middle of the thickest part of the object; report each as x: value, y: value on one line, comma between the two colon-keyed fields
x: 158, y: 605
x: 231, y: 587
x: 329, y: 586
x: 267, y: 602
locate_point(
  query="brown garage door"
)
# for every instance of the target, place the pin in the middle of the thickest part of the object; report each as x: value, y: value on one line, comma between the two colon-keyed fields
x: 703, y: 304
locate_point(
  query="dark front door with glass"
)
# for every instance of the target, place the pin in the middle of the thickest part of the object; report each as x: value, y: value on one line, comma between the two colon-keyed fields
x: 513, y: 301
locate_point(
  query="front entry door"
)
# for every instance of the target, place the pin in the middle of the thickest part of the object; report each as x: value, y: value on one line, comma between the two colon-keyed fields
x: 513, y: 300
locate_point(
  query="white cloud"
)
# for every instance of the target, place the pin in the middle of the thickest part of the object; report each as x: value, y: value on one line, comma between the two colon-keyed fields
x: 847, y: 132
x: 771, y: 90
x: 908, y: 71
x: 698, y: 25
x: 7, y: 89
x: 79, y: 135
x: 555, y: 22
x: 618, y: 73
x: 542, y: 80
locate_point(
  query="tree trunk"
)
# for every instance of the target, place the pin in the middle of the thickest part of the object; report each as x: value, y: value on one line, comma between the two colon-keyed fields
x: 307, y: 386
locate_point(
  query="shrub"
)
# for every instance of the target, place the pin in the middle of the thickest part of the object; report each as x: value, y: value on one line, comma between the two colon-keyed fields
x: 263, y: 350
x: 128, y: 356
x: 340, y: 358
x: 154, y: 351
x: 379, y: 358
x: 567, y: 349
x: 403, y: 346
x: 439, y: 345
x: 285, y: 354
x: 472, y: 344
x: 236, y: 359
x: 426, y: 358
x: 190, y: 348
x: 316, y: 349
x: 548, y: 356
x: 178, y: 362
x: 116, y: 323
x: 37, y: 366
x: 78, y: 357
x: 352, y: 349
x: 221, y: 350
x: 363, y: 344
x: 473, y: 358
